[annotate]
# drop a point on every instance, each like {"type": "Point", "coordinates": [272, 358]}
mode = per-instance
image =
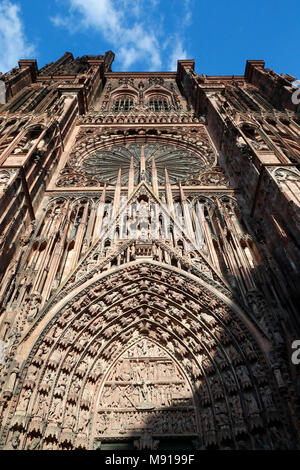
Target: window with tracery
{"type": "Point", "coordinates": [123, 104]}
{"type": "Point", "coordinates": [159, 103]}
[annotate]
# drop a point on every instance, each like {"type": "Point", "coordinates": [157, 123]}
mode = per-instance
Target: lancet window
{"type": "Point", "coordinates": [123, 103]}
{"type": "Point", "coordinates": [159, 103]}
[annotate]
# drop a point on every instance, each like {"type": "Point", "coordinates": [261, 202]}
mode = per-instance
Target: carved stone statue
{"type": "Point", "coordinates": [32, 307]}
{"type": "Point", "coordinates": [14, 442]}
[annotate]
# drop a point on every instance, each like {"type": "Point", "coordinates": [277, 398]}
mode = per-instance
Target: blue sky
{"type": "Point", "coordinates": [152, 34]}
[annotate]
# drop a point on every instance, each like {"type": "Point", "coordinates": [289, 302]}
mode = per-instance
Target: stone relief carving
{"type": "Point", "coordinates": [5, 178]}
{"type": "Point", "coordinates": [144, 389]}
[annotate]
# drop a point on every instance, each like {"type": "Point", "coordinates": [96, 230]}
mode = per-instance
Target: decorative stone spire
{"type": "Point", "coordinates": [154, 177]}
{"type": "Point", "coordinates": [116, 205]}
{"type": "Point", "coordinates": [131, 178]}
{"type": "Point", "coordinates": [142, 165]}
{"type": "Point", "coordinates": [100, 213]}
{"type": "Point", "coordinates": [186, 213]}
{"type": "Point", "coordinates": [169, 192]}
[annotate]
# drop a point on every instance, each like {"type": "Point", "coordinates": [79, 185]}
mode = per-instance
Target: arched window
{"type": "Point", "coordinates": [158, 103]}
{"type": "Point", "coordinates": [123, 103]}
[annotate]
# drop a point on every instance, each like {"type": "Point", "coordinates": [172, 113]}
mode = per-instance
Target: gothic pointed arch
{"type": "Point", "coordinates": [74, 392]}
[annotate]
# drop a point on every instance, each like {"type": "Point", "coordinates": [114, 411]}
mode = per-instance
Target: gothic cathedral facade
{"type": "Point", "coordinates": [149, 258]}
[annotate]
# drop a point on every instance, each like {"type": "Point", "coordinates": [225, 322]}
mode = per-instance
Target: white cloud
{"type": "Point", "coordinates": [59, 21]}
{"type": "Point", "coordinates": [138, 41]}
{"type": "Point", "coordinates": [14, 45]}
{"type": "Point", "coordinates": [128, 25]}
{"type": "Point", "coordinates": [187, 19]}
{"type": "Point", "coordinates": [177, 53]}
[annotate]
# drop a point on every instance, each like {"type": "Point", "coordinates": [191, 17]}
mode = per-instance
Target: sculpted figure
{"type": "Point", "coordinates": [258, 372]}
{"type": "Point", "coordinates": [41, 408]}
{"type": "Point", "coordinates": [229, 381]}
{"type": "Point", "coordinates": [48, 378]}
{"type": "Point", "coordinates": [243, 375]}
{"type": "Point", "coordinates": [49, 446]}
{"type": "Point", "coordinates": [56, 356]}
{"type": "Point", "coordinates": [267, 397]}
{"type": "Point", "coordinates": [239, 333]}
{"type": "Point", "coordinates": [236, 409]}
{"type": "Point", "coordinates": [216, 388]}
{"type": "Point", "coordinates": [33, 306]}
{"type": "Point", "coordinates": [224, 314]}
{"type": "Point", "coordinates": [208, 340]}
{"type": "Point", "coordinates": [106, 397]}
{"type": "Point", "coordinates": [252, 404]}
{"type": "Point", "coordinates": [60, 387]}
{"type": "Point", "coordinates": [56, 410]}
{"type": "Point", "coordinates": [35, 444]}
{"type": "Point", "coordinates": [249, 350]}
{"type": "Point", "coordinates": [98, 369]}
{"type": "Point", "coordinates": [32, 373]}
{"type": "Point", "coordinates": [55, 332]}
{"type": "Point", "coordinates": [219, 333]}
{"type": "Point", "coordinates": [24, 400]}
{"type": "Point", "coordinates": [14, 442]}
{"type": "Point", "coordinates": [207, 420]}
{"type": "Point", "coordinates": [77, 305]}
{"type": "Point", "coordinates": [81, 322]}
{"type": "Point", "coordinates": [177, 297]}
{"type": "Point", "coordinates": [235, 357]}
{"type": "Point", "coordinates": [84, 421]}
{"type": "Point", "coordinates": [279, 378]}
{"type": "Point", "coordinates": [83, 366]}
{"type": "Point", "coordinates": [69, 362]}
{"type": "Point", "coordinates": [220, 359]}
{"type": "Point", "coordinates": [207, 364]}
{"type": "Point", "coordinates": [76, 385]}
{"type": "Point", "coordinates": [83, 339]}
{"type": "Point", "coordinates": [14, 334]}
{"type": "Point", "coordinates": [204, 395]}
{"type": "Point", "coordinates": [257, 303]}
{"type": "Point", "coordinates": [221, 414]}
{"type": "Point", "coordinates": [66, 315]}
{"type": "Point", "coordinates": [70, 419]}
{"type": "Point", "coordinates": [69, 336]}
{"type": "Point", "coordinates": [210, 320]}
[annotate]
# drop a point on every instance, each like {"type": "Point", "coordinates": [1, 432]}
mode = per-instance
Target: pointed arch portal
{"type": "Point", "coordinates": [144, 353]}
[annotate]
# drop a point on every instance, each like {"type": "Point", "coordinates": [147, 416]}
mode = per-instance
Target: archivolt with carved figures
{"type": "Point", "coordinates": [144, 351]}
